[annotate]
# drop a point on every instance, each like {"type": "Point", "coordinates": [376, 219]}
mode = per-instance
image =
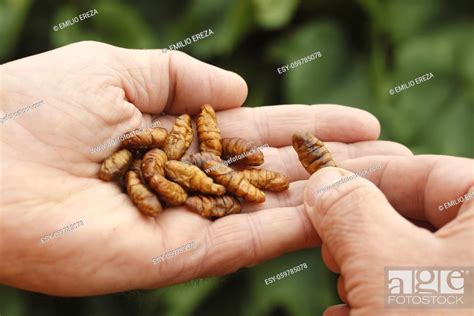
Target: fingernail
{"type": "Point", "coordinates": [321, 182]}
{"type": "Point", "coordinates": [337, 307]}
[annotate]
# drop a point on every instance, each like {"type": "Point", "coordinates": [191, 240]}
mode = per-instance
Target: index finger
{"type": "Point", "coordinates": [275, 125]}
{"type": "Point", "coordinates": [176, 83]}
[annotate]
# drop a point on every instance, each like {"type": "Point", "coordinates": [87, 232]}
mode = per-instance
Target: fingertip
{"type": "Point", "coordinates": [375, 124]}
{"type": "Point", "coordinates": [206, 83]}
{"type": "Point", "coordinates": [387, 148]}
{"type": "Point", "coordinates": [369, 125]}
{"type": "Point", "coordinates": [341, 289]}
{"type": "Point", "coordinates": [240, 91]}
{"type": "Point", "coordinates": [223, 89]}
{"type": "Point", "coordinates": [319, 183]}
{"type": "Point", "coordinates": [176, 82]}
{"type": "Point", "coordinates": [328, 259]}
{"type": "Point", "coordinates": [396, 149]}
{"type": "Point", "coordinates": [347, 124]}
{"type": "Point", "coordinates": [337, 310]}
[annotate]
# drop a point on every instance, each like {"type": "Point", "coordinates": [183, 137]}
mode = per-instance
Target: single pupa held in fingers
{"type": "Point", "coordinates": [213, 206]}
{"type": "Point", "coordinates": [208, 132]}
{"type": "Point", "coordinates": [180, 138]}
{"type": "Point", "coordinates": [312, 152]}
{"type": "Point", "coordinates": [192, 178]}
{"type": "Point", "coordinates": [115, 165]}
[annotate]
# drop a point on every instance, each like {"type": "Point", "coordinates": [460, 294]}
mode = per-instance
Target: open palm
{"type": "Point", "coordinates": [94, 92]}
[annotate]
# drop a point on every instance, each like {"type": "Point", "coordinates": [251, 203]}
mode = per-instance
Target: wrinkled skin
{"type": "Point", "coordinates": [363, 229]}
{"type": "Point", "coordinates": [93, 92]}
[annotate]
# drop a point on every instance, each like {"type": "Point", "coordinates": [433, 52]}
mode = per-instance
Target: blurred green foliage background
{"type": "Point", "coordinates": [367, 47]}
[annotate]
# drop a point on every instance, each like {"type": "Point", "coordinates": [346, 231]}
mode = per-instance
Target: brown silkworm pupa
{"type": "Point", "coordinates": [145, 200]}
{"type": "Point", "coordinates": [232, 147]}
{"type": "Point", "coordinates": [213, 206]}
{"type": "Point", "coordinates": [312, 152]}
{"type": "Point", "coordinates": [208, 132]}
{"type": "Point", "coordinates": [146, 139]}
{"type": "Point", "coordinates": [266, 179]}
{"type": "Point", "coordinates": [115, 165]}
{"type": "Point", "coordinates": [180, 138]}
{"type": "Point", "coordinates": [234, 182]}
{"type": "Point", "coordinates": [192, 178]}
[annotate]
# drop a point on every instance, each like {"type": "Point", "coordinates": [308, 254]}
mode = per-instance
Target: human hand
{"type": "Point", "coordinates": [362, 232]}
{"type": "Point", "coordinates": [94, 92]}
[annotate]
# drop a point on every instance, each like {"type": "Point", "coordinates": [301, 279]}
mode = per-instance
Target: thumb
{"type": "Point", "coordinates": [350, 213]}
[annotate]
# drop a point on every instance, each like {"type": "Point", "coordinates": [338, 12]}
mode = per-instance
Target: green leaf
{"type": "Point", "coordinates": [296, 294]}
{"type": "Point", "coordinates": [229, 29]}
{"type": "Point", "coordinates": [182, 299]}
{"type": "Point", "coordinates": [353, 89]}
{"type": "Point", "coordinates": [13, 301]}
{"type": "Point", "coordinates": [12, 17]}
{"type": "Point", "coordinates": [437, 52]}
{"type": "Point", "coordinates": [274, 14]}
{"type": "Point", "coordinates": [445, 100]}
{"type": "Point", "coordinates": [453, 132]}
{"type": "Point", "coordinates": [313, 82]}
{"type": "Point", "coordinates": [70, 34]}
{"type": "Point", "coordinates": [465, 65]}
{"type": "Point", "coordinates": [406, 19]}
{"type": "Point", "coordinates": [415, 109]}
{"type": "Point", "coordinates": [130, 32]}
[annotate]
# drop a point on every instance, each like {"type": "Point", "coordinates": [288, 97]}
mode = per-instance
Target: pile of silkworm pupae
{"type": "Point", "coordinates": [151, 166]}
